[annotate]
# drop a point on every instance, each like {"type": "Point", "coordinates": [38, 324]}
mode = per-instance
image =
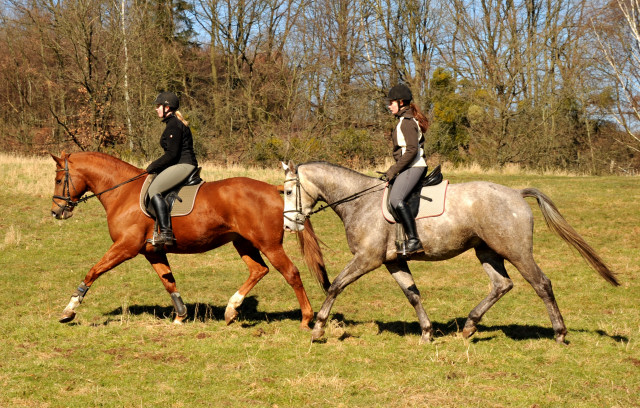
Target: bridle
{"type": "Point", "coordinates": [298, 210]}
{"type": "Point", "coordinates": [69, 203]}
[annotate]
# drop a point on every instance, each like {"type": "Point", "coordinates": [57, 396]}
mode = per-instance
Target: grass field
{"type": "Point", "coordinates": [123, 351]}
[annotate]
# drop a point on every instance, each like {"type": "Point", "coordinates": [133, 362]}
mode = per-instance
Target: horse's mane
{"type": "Point", "coordinates": [336, 166]}
{"type": "Point", "coordinates": [106, 161]}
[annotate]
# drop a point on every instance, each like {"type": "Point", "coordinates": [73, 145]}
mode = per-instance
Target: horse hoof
{"type": "Point", "coordinates": [426, 338]}
{"type": "Point", "coordinates": [560, 340]}
{"type": "Point", "coordinates": [317, 334]}
{"type": "Point", "coordinates": [67, 316]}
{"type": "Point", "coordinates": [305, 326]}
{"type": "Point", "coordinates": [468, 332]}
{"type": "Point", "coordinates": [230, 315]}
{"type": "Point", "coordinates": [179, 320]}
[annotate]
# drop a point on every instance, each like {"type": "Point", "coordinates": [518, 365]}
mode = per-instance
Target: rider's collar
{"type": "Point", "coordinates": [405, 112]}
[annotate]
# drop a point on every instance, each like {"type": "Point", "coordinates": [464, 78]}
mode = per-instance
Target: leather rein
{"type": "Point", "coordinates": [298, 209]}
{"type": "Point", "coordinates": [69, 203]}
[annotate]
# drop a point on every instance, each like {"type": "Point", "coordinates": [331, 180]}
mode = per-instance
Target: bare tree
{"type": "Point", "coordinates": [618, 30]}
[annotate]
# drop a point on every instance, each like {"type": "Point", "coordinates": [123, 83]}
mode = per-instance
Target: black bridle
{"type": "Point", "coordinates": [66, 191]}
{"type": "Point", "coordinates": [298, 209]}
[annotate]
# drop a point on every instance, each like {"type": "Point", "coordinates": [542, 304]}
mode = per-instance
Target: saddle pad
{"type": "Point", "coordinates": [187, 194]}
{"type": "Point", "coordinates": [428, 208]}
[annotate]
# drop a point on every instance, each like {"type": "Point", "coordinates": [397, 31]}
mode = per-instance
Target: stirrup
{"type": "Point", "coordinates": [161, 239]}
{"type": "Point", "coordinates": [410, 247]}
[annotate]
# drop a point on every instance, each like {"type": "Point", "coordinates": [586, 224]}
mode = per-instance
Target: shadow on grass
{"type": "Point", "coordinates": [453, 326]}
{"type": "Point", "coordinates": [249, 315]}
{"type": "Point", "coordinates": [513, 331]}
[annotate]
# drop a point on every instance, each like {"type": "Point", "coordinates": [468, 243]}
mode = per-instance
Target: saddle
{"type": "Point", "coordinates": [180, 199]}
{"type": "Point", "coordinates": [425, 200]}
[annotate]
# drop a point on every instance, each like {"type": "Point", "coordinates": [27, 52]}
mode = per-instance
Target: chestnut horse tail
{"type": "Point", "coordinates": [310, 248]}
{"type": "Point", "coordinates": [556, 222]}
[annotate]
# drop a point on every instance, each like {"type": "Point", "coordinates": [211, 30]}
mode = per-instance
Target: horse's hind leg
{"type": "Point", "coordinates": [401, 273]}
{"type": "Point", "coordinates": [160, 264]}
{"type": "Point", "coordinates": [542, 285]}
{"type": "Point", "coordinates": [493, 265]}
{"type": "Point", "coordinates": [257, 270]}
{"type": "Point", "coordinates": [291, 274]}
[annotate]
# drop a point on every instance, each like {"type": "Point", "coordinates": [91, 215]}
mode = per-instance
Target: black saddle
{"type": "Point", "coordinates": [171, 195]}
{"type": "Point", "coordinates": [413, 199]}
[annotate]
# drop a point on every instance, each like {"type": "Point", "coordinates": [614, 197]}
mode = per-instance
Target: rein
{"type": "Point", "coordinates": [67, 182]}
{"type": "Point", "coordinates": [328, 205]}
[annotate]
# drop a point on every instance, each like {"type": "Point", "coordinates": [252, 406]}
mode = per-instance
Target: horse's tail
{"type": "Point", "coordinates": [310, 248]}
{"type": "Point", "coordinates": [556, 222]}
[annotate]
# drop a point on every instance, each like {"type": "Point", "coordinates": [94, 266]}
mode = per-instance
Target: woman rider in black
{"type": "Point", "coordinates": [175, 165]}
{"type": "Point", "coordinates": [408, 141]}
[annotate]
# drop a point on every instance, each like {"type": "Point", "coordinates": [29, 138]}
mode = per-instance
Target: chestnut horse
{"type": "Point", "coordinates": [241, 210]}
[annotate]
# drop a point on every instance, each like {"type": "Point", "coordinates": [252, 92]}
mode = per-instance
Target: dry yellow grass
{"type": "Point", "coordinates": [34, 174]}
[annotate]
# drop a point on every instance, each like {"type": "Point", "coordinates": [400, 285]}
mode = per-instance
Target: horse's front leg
{"type": "Point", "coordinates": [357, 267]}
{"type": "Point", "coordinates": [401, 273]}
{"type": "Point", "coordinates": [118, 253]}
{"type": "Point", "coordinates": [160, 264]}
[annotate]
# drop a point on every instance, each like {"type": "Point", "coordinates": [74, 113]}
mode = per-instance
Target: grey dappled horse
{"type": "Point", "coordinates": [493, 219]}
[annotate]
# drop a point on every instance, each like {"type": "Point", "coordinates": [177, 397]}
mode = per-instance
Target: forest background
{"type": "Point", "coordinates": [544, 84]}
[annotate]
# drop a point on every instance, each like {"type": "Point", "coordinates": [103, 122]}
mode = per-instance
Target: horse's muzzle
{"type": "Point", "coordinates": [61, 214]}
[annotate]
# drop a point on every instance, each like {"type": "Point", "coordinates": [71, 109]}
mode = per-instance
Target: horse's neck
{"type": "Point", "coordinates": [102, 173]}
{"type": "Point", "coordinates": [336, 183]}
{"type": "Point", "coordinates": [106, 174]}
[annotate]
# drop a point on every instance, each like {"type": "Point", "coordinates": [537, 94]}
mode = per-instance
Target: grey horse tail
{"type": "Point", "coordinates": [310, 248]}
{"type": "Point", "coordinates": [556, 222]}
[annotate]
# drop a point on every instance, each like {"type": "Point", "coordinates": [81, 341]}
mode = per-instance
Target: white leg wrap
{"type": "Point", "coordinates": [235, 301]}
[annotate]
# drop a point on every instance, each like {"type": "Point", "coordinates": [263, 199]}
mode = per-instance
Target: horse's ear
{"type": "Point", "coordinates": [289, 167]}
{"type": "Point", "coordinates": [58, 160]}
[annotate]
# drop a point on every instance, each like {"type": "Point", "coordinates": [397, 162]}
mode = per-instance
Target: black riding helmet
{"type": "Point", "coordinates": [168, 99]}
{"type": "Point", "coordinates": [400, 92]}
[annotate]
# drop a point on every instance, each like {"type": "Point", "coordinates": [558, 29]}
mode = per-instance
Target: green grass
{"type": "Point", "coordinates": [123, 351]}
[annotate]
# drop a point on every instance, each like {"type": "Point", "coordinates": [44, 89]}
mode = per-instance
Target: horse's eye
{"type": "Point", "coordinates": [58, 181]}
{"type": "Point", "coordinates": [288, 192]}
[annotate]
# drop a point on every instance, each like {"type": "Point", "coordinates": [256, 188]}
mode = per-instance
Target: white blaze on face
{"type": "Point", "coordinates": [293, 219]}
{"type": "Point", "coordinates": [291, 213]}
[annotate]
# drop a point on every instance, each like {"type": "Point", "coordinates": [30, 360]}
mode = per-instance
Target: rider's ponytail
{"type": "Point", "coordinates": [422, 120]}
{"type": "Point", "coordinates": [181, 118]}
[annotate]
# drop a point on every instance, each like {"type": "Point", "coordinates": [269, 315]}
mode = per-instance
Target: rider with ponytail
{"type": "Point", "coordinates": [175, 165]}
{"type": "Point", "coordinates": [410, 166]}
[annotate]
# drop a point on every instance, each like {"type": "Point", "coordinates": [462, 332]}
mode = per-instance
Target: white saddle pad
{"type": "Point", "coordinates": [180, 208]}
{"type": "Point", "coordinates": [432, 208]}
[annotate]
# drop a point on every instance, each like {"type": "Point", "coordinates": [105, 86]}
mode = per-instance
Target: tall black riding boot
{"type": "Point", "coordinates": [413, 243]}
{"type": "Point", "coordinates": [165, 237]}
